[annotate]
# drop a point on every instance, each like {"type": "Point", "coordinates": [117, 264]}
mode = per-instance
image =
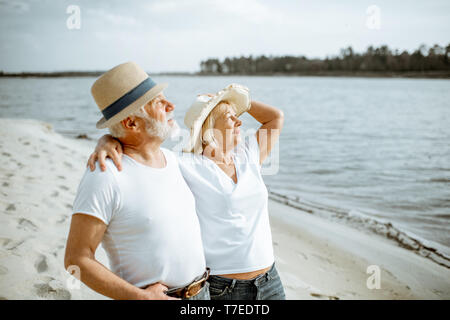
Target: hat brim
{"type": "Point", "coordinates": [239, 97]}
{"type": "Point", "coordinates": [135, 106]}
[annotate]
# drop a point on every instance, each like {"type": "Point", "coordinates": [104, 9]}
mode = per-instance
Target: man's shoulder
{"type": "Point", "coordinates": [102, 176]}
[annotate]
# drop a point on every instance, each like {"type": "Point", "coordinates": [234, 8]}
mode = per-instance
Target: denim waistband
{"type": "Point", "coordinates": [233, 282]}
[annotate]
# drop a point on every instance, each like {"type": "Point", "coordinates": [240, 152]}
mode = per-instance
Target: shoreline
{"type": "Point", "coordinates": [378, 227]}
{"type": "Point", "coordinates": [316, 258]}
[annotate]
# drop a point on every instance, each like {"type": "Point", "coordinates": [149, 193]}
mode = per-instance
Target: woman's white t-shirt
{"type": "Point", "coordinates": [233, 217]}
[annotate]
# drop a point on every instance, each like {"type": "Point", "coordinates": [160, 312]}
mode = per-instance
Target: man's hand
{"type": "Point", "coordinates": [156, 292]}
{"type": "Point", "coordinates": [107, 146]}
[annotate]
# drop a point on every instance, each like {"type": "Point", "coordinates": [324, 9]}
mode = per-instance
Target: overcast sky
{"type": "Point", "coordinates": [175, 35]}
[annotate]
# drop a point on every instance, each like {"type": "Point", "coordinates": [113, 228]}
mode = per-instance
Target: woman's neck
{"type": "Point", "coordinates": [218, 155]}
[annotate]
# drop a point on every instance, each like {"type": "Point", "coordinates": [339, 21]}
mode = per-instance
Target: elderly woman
{"type": "Point", "coordinates": [224, 174]}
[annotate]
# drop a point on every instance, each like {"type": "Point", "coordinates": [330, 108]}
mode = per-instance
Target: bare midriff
{"type": "Point", "coordinates": [245, 275]}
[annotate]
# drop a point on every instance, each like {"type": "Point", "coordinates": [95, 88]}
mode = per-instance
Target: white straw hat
{"type": "Point", "coordinates": [123, 90]}
{"type": "Point", "coordinates": [202, 107]}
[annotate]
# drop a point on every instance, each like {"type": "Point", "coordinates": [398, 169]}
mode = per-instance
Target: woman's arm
{"type": "Point", "coordinates": [107, 146]}
{"type": "Point", "coordinates": [272, 120]}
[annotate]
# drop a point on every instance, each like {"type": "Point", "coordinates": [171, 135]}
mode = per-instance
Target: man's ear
{"type": "Point", "coordinates": [129, 123]}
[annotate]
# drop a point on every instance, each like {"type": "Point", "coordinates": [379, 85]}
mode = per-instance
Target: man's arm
{"type": "Point", "coordinates": [86, 233]}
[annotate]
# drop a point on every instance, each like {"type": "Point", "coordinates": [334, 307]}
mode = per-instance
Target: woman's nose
{"type": "Point", "coordinates": [238, 123]}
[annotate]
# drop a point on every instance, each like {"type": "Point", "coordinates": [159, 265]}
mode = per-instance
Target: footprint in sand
{"type": "Point", "coordinates": [9, 244]}
{"type": "Point", "coordinates": [27, 225]}
{"type": "Point", "coordinates": [5, 184]}
{"type": "Point", "coordinates": [35, 156]}
{"type": "Point", "coordinates": [438, 292]}
{"type": "Point", "coordinates": [4, 242]}
{"type": "Point", "coordinates": [67, 164]}
{"type": "Point", "coordinates": [55, 194]}
{"type": "Point", "coordinates": [321, 258]}
{"type": "Point", "coordinates": [301, 254]}
{"type": "Point", "coordinates": [63, 218]}
{"type": "Point", "coordinates": [6, 154]}
{"type": "Point", "coordinates": [62, 177]}
{"type": "Point", "coordinates": [323, 296]}
{"type": "Point", "coordinates": [41, 264]}
{"type": "Point", "coordinates": [64, 188]}
{"type": "Point", "coordinates": [3, 270]}
{"type": "Point", "coordinates": [26, 143]}
{"type": "Point", "coordinates": [11, 207]}
{"type": "Point", "coordinates": [52, 290]}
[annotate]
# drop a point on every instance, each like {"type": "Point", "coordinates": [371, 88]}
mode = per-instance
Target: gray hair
{"type": "Point", "coordinates": [117, 130]}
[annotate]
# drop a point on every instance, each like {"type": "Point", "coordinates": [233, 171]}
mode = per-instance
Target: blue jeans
{"type": "Point", "coordinates": [266, 286]}
{"type": "Point", "coordinates": [202, 295]}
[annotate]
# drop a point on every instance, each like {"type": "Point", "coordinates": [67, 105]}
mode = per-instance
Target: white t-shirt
{"type": "Point", "coordinates": [153, 232]}
{"type": "Point", "coordinates": [234, 218]}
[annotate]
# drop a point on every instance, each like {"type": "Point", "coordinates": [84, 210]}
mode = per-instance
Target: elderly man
{"type": "Point", "coordinates": [144, 215]}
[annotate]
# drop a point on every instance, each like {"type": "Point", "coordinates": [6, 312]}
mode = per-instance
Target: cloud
{"type": "Point", "coordinates": [115, 19]}
{"type": "Point", "coordinates": [178, 34]}
{"type": "Point", "coordinates": [14, 6]}
{"type": "Point", "coordinates": [216, 12]}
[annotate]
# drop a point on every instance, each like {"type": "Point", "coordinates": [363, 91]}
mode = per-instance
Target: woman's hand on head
{"type": "Point", "coordinates": [107, 147]}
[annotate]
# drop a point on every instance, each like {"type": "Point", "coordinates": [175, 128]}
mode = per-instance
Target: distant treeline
{"type": "Point", "coordinates": [52, 74]}
{"type": "Point", "coordinates": [58, 74]}
{"type": "Point", "coordinates": [375, 61]}
{"type": "Point", "coordinates": [423, 62]}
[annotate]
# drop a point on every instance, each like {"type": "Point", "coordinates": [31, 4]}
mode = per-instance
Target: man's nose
{"type": "Point", "coordinates": [169, 106]}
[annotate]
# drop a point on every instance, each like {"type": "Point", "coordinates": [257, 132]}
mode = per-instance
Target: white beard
{"type": "Point", "coordinates": [162, 130]}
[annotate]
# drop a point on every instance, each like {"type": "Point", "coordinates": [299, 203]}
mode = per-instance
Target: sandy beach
{"type": "Point", "coordinates": [317, 258]}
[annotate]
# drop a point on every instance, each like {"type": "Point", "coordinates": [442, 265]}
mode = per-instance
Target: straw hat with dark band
{"type": "Point", "coordinates": [123, 90]}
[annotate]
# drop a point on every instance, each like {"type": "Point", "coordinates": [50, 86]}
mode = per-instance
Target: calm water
{"type": "Point", "coordinates": [380, 146]}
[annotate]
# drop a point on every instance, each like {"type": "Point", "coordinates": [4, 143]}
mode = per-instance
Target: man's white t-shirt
{"type": "Point", "coordinates": [234, 218]}
{"type": "Point", "coordinates": [153, 233]}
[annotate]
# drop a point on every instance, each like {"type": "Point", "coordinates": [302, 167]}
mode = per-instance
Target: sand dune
{"type": "Point", "coordinates": [317, 259]}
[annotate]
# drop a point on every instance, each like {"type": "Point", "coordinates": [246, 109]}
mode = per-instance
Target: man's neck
{"type": "Point", "coordinates": [147, 152]}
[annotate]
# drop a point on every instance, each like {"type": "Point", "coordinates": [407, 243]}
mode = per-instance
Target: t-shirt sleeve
{"type": "Point", "coordinates": [251, 148]}
{"type": "Point", "coordinates": [98, 195]}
